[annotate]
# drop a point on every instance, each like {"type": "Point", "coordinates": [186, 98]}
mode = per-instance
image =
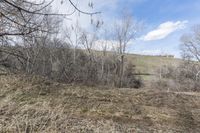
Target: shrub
{"type": "Point", "coordinates": [57, 62]}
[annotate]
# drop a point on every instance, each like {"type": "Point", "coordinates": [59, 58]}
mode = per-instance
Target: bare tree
{"type": "Point", "coordinates": [125, 31]}
{"type": "Point", "coordinates": [23, 22]}
{"type": "Point", "coordinates": [191, 44]}
{"type": "Point", "coordinates": [72, 35]}
{"type": "Point", "coordinates": [34, 30]}
{"type": "Point", "coordinates": [17, 17]}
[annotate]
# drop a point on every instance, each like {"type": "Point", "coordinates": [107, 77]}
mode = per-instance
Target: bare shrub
{"type": "Point", "coordinates": [131, 80]}
{"type": "Point", "coordinates": [46, 52]}
{"type": "Point", "coordinates": [184, 77]}
{"type": "Point", "coordinates": [55, 60]}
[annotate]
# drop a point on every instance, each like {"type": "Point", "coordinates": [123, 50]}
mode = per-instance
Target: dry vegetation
{"type": "Point", "coordinates": [43, 65]}
{"type": "Point", "coordinates": [34, 104]}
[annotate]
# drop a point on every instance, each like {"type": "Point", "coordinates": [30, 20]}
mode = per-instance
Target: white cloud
{"type": "Point", "coordinates": [163, 30]}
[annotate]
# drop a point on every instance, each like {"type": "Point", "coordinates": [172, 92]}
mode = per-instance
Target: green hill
{"type": "Point", "coordinates": [149, 65]}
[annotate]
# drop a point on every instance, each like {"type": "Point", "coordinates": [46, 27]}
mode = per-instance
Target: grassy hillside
{"type": "Point", "coordinates": [150, 64]}
{"type": "Point", "coordinates": [34, 104]}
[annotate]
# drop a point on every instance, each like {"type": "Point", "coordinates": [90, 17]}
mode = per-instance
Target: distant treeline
{"type": "Point", "coordinates": [167, 56]}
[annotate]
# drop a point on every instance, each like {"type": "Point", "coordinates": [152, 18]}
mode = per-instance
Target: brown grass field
{"type": "Point", "coordinates": [35, 105]}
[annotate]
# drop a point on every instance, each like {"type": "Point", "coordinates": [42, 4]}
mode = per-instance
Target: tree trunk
{"type": "Point", "coordinates": [121, 71]}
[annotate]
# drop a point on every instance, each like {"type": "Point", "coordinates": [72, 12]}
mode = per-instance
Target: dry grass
{"type": "Point", "coordinates": [34, 104]}
{"type": "Point", "coordinates": [150, 64]}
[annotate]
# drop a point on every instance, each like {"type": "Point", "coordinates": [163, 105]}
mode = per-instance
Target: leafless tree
{"type": "Point", "coordinates": [72, 35]}
{"type": "Point", "coordinates": [17, 17]}
{"type": "Point", "coordinates": [23, 22]}
{"type": "Point", "coordinates": [125, 31]}
{"type": "Point", "coordinates": [191, 44]}
{"type": "Point", "coordinates": [34, 30]}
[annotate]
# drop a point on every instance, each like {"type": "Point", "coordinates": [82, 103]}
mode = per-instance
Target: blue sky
{"type": "Point", "coordinates": [177, 15]}
{"type": "Point", "coordinates": [164, 21]}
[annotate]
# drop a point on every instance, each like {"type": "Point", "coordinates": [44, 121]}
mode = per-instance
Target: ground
{"type": "Point", "coordinates": [34, 104]}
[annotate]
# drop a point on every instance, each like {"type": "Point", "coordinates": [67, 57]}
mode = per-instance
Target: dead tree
{"type": "Point", "coordinates": [125, 31]}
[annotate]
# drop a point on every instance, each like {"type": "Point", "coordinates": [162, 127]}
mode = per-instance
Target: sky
{"type": "Point", "coordinates": [165, 21]}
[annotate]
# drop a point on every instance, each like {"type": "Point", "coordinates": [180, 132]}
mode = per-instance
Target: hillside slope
{"type": "Point", "coordinates": [34, 104]}
{"type": "Point", "coordinates": [150, 65]}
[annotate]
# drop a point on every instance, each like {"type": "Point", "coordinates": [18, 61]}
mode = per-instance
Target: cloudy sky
{"type": "Point", "coordinates": [164, 21]}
